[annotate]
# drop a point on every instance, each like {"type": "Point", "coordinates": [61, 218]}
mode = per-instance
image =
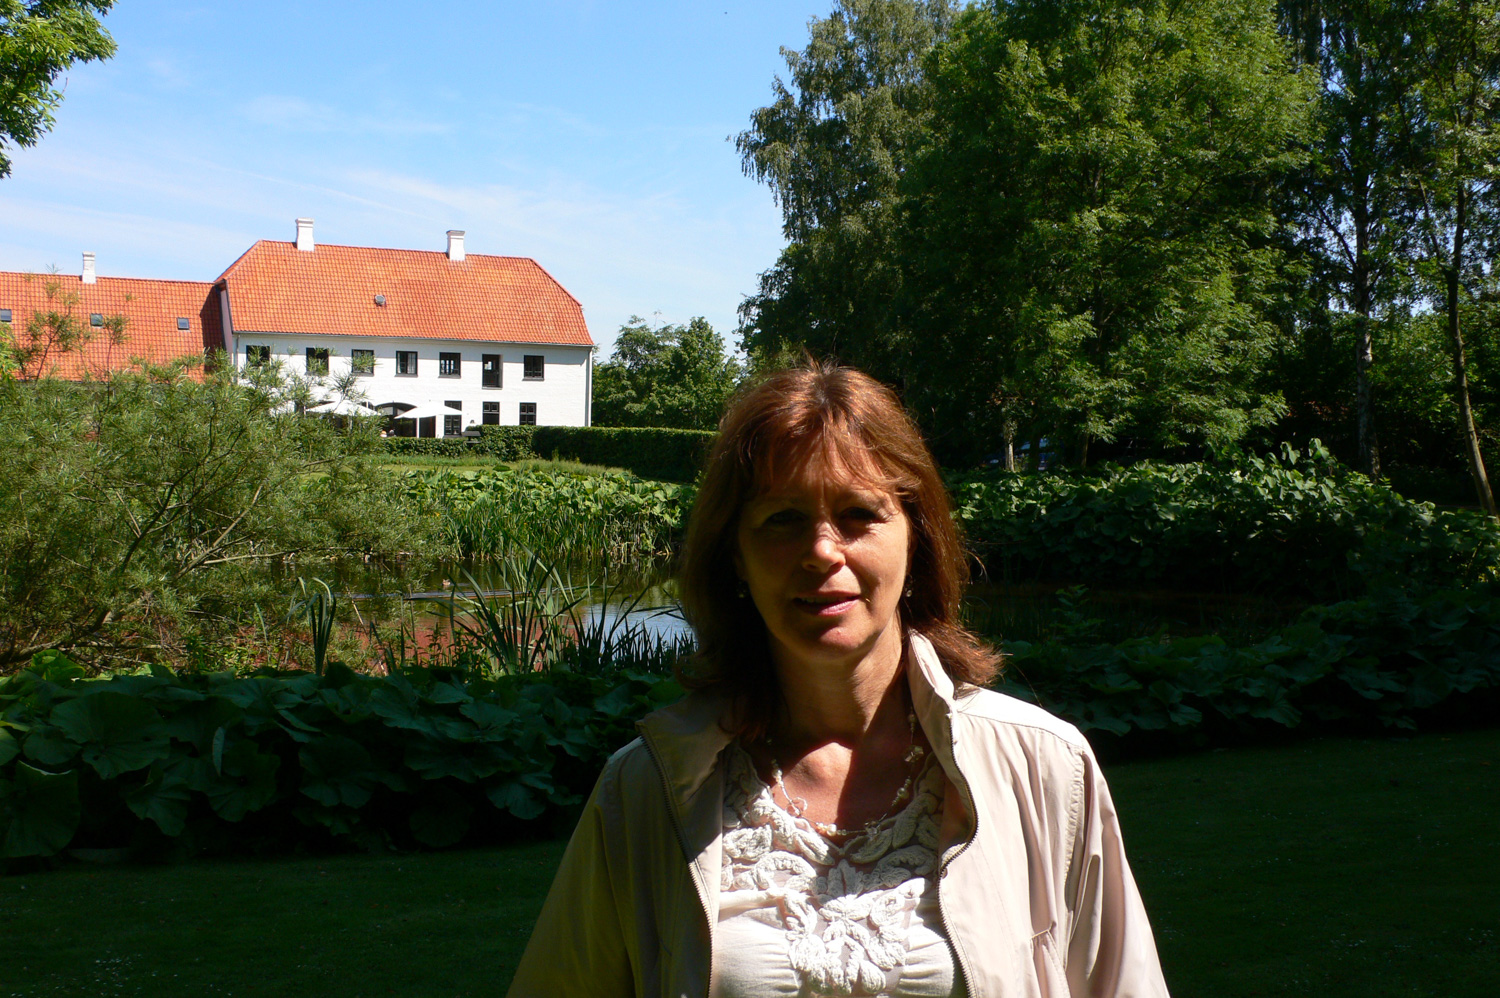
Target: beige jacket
{"type": "Point", "coordinates": [1035, 892]}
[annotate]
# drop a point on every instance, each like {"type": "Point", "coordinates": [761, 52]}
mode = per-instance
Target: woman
{"type": "Point", "coordinates": [840, 807]}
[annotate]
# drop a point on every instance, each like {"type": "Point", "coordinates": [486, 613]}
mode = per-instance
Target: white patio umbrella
{"type": "Point", "coordinates": [427, 412]}
{"type": "Point", "coordinates": [343, 407]}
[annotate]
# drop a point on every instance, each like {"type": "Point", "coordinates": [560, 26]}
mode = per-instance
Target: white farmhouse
{"type": "Point", "coordinates": [479, 339]}
{"type": "Point", "coordinates": [460, 340]}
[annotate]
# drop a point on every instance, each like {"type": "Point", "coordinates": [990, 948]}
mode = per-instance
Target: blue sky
{"type": "Point", "coordinates": [588, 135]}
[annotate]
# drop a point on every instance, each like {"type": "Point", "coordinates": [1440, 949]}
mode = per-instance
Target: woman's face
{"type": "Point", "coordinates": [825, 556]}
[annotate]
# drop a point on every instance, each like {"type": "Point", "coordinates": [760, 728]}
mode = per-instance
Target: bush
{"type": "Point", "coordinates": [153, 509]}
{"type": "Point", "coordinates": [1297, 525]}
{"type": "Point", "coordinates": [419, 758]}
{"type": "Point", "coordinates": [650, 452]}
{"type": "Point", "coordinates": [1384, 658]}
{"type": "Point", "coordinates": [430, 446]}
{"type": "Point", "coordinates": [503, 443]}
{"type": "Point", "coordinates": [661, 454]}
{"type": "Point", "coordinates": [610, 519]}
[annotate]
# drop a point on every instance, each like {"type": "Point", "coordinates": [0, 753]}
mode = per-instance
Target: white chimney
{"type": "Point", "coordinates": [89, 277]}
{"type": "Point", "coordinates": [304, 235]}
{"type": "Point", "coordinates": [456, 245]}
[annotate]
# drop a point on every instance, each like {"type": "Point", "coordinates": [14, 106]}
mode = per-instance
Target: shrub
{"type": "Point", "coordinates": [1384, 658]}
{"type": "Point", "coordinates": [1297, 525]}
{"type": "Point", "coordinates": [596, 519]}
{"type": "Point", "coordinates": [430, 446]}
{"type": "Point", "coordinates": [661, 454]}
{"type": "Point", "coordinates": [422, 757]}
{"type": "Point", "coordinates": [150, 509]}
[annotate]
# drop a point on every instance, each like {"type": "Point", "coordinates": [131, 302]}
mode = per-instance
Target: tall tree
{"type": "Point", "coordinates": [675, 376]}
{"type": "Point", "coordinates": [1089, 230]}
{"type": "Point", "coordinates": [1455, 195]}
{"type": "Point", "coordinates": [39, 40]}
{"type": "Point", "coordinates": [1352, 190]}
{"type": "Point", "coordinates": [832, 147]}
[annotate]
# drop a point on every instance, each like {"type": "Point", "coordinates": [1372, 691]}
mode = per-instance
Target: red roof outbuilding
{"type": "Point", "coordinates": [152, 310]}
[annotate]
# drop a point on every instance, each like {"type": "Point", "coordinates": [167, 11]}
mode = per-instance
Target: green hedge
{"type": "Point", "coordinates": [650, 452]}
{"type": "Point", "coordinates": [1297, 525]}
{"type": "Point", "coordinates": [503, 443]}
{"type": "Point", "coordinates": [238, 763]}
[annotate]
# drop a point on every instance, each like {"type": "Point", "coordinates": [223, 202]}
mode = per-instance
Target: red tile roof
{"type": "Point", "coordinates": [151, 310]}
{"type": "Point", "coordinates": [330, 290]}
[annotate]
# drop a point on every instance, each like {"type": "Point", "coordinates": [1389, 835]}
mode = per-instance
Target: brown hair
{"type": "Point", "coordinates": [849, 420]}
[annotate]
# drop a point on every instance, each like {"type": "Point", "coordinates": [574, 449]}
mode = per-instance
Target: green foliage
{"type": "Point", "coordinates": [832, 146]}
{"type": "Point", "coordinates": [1382, 658]}
{"type": "Point", "coordinates": [669, 455]}
{"type": "Point", "coordinates": [39, 41]}
{"type": "Point", "coordinates": [420, 757]}
{"type": "Point", "coordinates": [671, 376]}
{"type": "Point", "coordinates": [665, 454]}
{"type": "Point", "coordinates": [503, 443]}
{"type": "Point", "coordinates": [576, 520]}
{"type": "Point", "coordinates": [1298, 526]}
{"type": "Point", "coordinates": [1114, 278]}
{"type": "Point", "coordinates": [144, 511]}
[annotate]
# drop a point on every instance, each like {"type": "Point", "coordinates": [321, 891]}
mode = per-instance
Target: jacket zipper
{"type": "Point", "coordinates": [666, 790]}
{"type": "Point", "coordinates": [968, 795]}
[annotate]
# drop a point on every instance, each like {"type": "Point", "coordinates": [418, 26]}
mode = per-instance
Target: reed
{"type": "Point", "coordinates": [546, 619]}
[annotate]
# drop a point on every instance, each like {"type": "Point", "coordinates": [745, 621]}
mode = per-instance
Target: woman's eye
{"type": "Point", "coordinates": [783, 517]}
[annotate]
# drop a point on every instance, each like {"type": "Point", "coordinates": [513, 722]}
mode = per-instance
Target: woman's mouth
{"type": "Point", "coordinates": [826, 605]}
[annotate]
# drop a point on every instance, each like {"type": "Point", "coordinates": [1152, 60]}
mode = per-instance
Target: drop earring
{"type": "Point", "coordinates": [742, 589]}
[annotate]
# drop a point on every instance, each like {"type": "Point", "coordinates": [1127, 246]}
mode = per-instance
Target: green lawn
{"type": "Point", "coordinates": [1337, 868]}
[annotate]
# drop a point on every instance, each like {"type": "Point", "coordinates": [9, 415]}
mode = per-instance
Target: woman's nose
{"type": "Point", "coordinates": [826, 549]}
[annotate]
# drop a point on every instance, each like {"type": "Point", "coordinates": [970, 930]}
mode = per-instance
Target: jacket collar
{"type": "Point", "coordinates": [687, 737]}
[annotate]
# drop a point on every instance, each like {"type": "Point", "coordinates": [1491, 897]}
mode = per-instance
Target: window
{"type": "Point", "coordinates": [454, 404]}
{"type": "Point", "coordinates": [257, 355]}
{"type": "Point", "coordinates": [452, 425]}
{"type": "Point", "coordinates": [362, 361]}
{"type": "Point", "coordinates": [532, 367]}
{"type": "Point", "coordinates": [317, 360]}
{"type": "Point", "coordinates": [182, 322]}
{"type": "Point", "coordinates": [492, 414]}
{"type": "Point", "coordinates": [4, 315]}
{"type": "Point", "coordinates": [96, 319]}
{"type": "Point", "coordinates": [489, 368]}
{"type": "Point", "coordinates": [448, 365]}
{"type": "Point", "coordinates": [406, 362]}
{"type": "Point", "coordinates": [528, 413]}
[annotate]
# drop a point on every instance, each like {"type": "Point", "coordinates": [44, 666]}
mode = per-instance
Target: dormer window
{"type": "Point", "coordinates": [96, 319]}
{"type": "Point", "coordinates": [4, 315]}
{"type": "Point", "coordinates": [182, 322]}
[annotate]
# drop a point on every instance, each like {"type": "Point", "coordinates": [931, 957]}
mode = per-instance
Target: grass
{"type": "Point", "coordinates": [1343, 868]}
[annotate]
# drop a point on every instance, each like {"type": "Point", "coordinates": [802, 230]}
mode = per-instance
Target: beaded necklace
{"type": "Point", "coordinates": [797, 806]}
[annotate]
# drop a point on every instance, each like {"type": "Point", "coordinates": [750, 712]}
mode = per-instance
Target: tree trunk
{"type": "Point", "coordinates": [1460, 364]}
{"type": "Point", "coordinates": [1369, 444]}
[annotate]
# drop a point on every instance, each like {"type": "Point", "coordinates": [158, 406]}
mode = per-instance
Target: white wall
{"type": "Point", "coordinates": [561, 397]}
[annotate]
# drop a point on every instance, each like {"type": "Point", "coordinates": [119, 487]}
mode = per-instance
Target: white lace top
{"type": "Point", "coordinates": [802, 915]}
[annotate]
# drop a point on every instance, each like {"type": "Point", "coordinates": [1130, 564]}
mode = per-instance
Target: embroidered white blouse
{"type": "Point", "coordinates": [800, 914]}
